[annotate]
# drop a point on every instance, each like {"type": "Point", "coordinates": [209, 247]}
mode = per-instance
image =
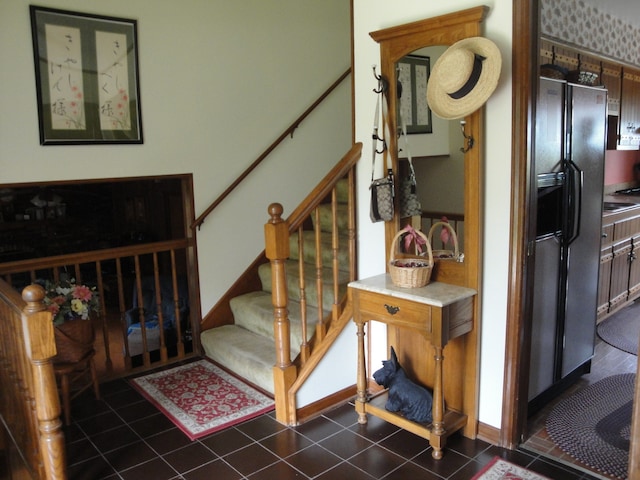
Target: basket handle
{"type": "Point", "coordinates": [456, 250]}
{"type": "Point", "coordinates": [392, 254]}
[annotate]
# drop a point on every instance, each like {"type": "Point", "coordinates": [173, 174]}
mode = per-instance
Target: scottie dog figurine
{"type": "Point", "coordinates": [406, 397]}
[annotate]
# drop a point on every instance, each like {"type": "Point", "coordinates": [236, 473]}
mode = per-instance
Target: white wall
{"type": "Point", "coordinates": [371, 15]}
{"type": "Point", "coordinates": [219, 82]}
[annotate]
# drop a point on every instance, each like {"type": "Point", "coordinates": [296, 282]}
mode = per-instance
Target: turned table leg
{"type": "Point", "coordinates": [438, 404]}
{"type": "Point", "coordinates": [361, 397]}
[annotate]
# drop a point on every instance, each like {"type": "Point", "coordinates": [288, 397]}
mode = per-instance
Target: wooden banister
{"type": "Point", "coordinates": [277, 249]}
{"type": "Point", "coordinates": [288, 131]}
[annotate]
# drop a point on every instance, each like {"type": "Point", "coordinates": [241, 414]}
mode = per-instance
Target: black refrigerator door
{"type": "Point", "coordinates": [551, 193]}
{"type": "Point", "coordinates": [586, 147]}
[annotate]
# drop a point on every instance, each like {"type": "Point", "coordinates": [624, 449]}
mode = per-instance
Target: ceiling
{"type": "Point", "coordinates": [626, 10]}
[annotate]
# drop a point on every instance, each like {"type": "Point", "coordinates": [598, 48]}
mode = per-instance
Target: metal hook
{"type": "Point", "coordinates": [468, 138]}
{"type": "Point", "coordinates": [384, 142]}
{"type": "Point", "coordinates": [383, 84]}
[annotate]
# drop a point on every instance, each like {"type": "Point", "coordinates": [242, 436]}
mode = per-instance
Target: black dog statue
{"type": "Point", "coordinates": [405, 396]}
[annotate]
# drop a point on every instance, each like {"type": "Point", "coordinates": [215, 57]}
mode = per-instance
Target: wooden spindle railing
{"type": "Point", "coordinates": [287, 378]}
{"type": "Point", "coordinates": [119, 275]}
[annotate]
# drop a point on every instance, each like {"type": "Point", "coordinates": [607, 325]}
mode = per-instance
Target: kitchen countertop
{"type": "Point", "coordinates": [632, 200]}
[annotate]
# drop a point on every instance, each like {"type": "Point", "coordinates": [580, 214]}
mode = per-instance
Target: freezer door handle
{"type": "Point", "coordinates": [574, 200]}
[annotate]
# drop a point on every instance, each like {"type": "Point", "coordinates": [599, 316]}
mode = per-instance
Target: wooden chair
{"type": "Point", "coordinates": [74, 378]}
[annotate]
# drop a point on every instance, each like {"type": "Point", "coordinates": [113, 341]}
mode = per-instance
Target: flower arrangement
{"type": "Point", "coordinates": [66, 300]}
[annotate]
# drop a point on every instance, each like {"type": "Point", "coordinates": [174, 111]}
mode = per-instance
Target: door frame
{"type": "Point", "coordinates": [525, 49]}
{"type": "Point", "coordinates": [525, 57]}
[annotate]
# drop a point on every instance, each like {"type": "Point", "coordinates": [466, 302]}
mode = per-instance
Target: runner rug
{"type": "Point", "coordinates": [622, 329]}
{"type": "Point", "coordinates": [500, 469]}
{"type": "Point", "coordinates": [594, 424]}
{"type": "Point", "coordinates": [201, 398]}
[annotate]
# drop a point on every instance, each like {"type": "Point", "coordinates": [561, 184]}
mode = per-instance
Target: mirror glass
{"type": "Point", "coordinates": [434, 145]}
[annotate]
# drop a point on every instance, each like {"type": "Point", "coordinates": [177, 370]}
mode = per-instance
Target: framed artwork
{"type": "Point", "coordinates": [87, 81]}
{"type": "Point", "coordinates": [413, 73]}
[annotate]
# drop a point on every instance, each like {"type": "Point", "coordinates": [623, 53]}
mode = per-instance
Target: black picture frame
{"type": "Point", "coordinates": [87, 80]}
{"type": "Point", "coordinates": [413, 74]}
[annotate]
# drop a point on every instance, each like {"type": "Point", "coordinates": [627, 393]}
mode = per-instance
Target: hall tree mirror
{"type": "Point", "coordinates": [435, 145]}
{"type": "Point", "coordinates": [424, 37]}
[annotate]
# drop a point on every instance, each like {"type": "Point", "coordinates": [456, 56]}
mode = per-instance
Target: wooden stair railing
{"type": "Point", "coordinates": [288, 131]}
{"type": "Point", "coordinates": [277, 233]}
{"type": "Point", "coordinates": [29, 403]}
{"type": "Point", "coordinates": [118, 274]}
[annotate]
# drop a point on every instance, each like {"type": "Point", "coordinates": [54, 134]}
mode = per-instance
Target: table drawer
{"type": "Point", "coordinates": [394, 311]}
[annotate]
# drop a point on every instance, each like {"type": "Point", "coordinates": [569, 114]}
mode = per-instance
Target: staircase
{"type": "Point", "coordinates": [248, 347]}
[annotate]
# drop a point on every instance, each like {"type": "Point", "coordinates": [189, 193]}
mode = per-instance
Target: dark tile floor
{"type": "Point", "coordinates": [124, 437]}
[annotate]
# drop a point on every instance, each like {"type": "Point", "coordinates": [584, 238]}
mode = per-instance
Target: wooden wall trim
{"type": "Point", "coordinates": [525, 73]}
{"type": "Point", "coordinates": [489, 434]}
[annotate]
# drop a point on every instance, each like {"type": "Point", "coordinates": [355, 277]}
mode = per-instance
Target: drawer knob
{"type": "Point", "coordinates": [391, 309]}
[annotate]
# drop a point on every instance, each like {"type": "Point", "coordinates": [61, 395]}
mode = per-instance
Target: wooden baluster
{"type": "Point", "coordinates": [320, 330]}
{"type": "Point", "coordinates": [103, 315]}
{"type": "Point", "coordinates": [352, 224]}
{"type": "Point", "coordinates": [158, 288]}
{"type": "Point", "coordinates": [176, 304]}
{"type": "Point", "coordinates": [335, 244]}
{"type": "Point", "coordinates": [143, 329]}
{"type": "Point", "coordinates": [304, 347]}
{"type": "Point", "coordinates": [276, 233]}
{"type": "Point", "coordinates": [122, 309]}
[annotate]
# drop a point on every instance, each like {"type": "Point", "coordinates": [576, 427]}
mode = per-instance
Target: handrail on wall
{"type": "Point", "coordinates": [289, 131]}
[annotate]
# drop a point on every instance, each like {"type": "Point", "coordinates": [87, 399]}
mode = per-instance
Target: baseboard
{"type": "Point", "coordinates": [489, 434]}
{"type": "Point", "coordinates": [327, 403]}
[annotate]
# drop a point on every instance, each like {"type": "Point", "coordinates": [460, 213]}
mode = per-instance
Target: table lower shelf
{"type": "Point", "coordinates": [453, 421]}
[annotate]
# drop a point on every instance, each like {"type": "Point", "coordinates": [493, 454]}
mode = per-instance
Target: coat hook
{"type": "Point", "coordinates": [383, 84]}
{"type": "Point", "coordinates": [468, 138]}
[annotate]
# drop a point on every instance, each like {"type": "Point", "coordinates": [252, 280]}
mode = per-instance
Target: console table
{"type": "Point", "coordinates": [439, 312]}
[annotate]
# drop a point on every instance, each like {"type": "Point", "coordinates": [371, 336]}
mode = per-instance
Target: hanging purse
{"type": "Point", "coordinates": [382, 189]}
{"type": "Point", "coordinates": [408, 199]}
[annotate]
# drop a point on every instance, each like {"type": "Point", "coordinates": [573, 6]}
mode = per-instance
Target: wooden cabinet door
{"type": "Point", "coordinates": [619, 289]}
{"type": "Point", "coordinates": [634, 267]}
{"type": "Point", "coordinates": [604, 281]}
{"type": "Point", "coordinates": [630, 109]}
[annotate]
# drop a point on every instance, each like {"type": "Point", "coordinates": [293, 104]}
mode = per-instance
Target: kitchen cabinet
{"type": "Point", "coordinates": [606, 263]}
{"type": "Point", "coordinates": [630, 109]}
{"type": "Point", "coordinates": [619, 278]}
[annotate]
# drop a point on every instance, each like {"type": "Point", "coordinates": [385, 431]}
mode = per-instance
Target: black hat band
{"type": "Point", "coordinates": [473, 78]}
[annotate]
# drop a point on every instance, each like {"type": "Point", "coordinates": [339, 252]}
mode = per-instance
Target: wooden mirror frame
{"type": "Point", "coordinates": [395, 43]}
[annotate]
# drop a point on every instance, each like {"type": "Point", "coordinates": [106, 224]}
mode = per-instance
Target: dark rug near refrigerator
{"type": "Point", "coordinates": [622, 329]}
{"type": "Point", "coordinates": [594, 424]}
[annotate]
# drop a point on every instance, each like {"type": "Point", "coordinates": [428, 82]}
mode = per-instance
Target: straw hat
{"type": "Point", "coordinates": [464, 77]}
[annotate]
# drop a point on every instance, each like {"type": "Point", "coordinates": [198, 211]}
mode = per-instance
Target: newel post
{"type": "Point", "coordinates": [276, 234]}
{"type": "Point", "coordinates": [40, 344]}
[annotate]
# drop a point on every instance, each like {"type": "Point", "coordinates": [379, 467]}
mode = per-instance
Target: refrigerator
{"type": "Point", "coordinates": [568, 161]}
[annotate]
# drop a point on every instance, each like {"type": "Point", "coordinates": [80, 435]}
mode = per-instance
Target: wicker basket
{"type": "Point", "coordinates": [410, 271]}
{"type": "Point", "coordinates": [445, 254]}
{"type": "Point", "coordinates": [74, 340]}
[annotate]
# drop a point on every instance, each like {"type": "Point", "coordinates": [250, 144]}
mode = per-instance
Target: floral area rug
{"type": "Point", "coordinates": [201, 398]}
{"type": "Point", "coordinates": [500, 469]}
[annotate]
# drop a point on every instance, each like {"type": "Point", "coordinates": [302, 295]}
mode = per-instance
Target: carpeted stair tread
{"type": "Point", "coordinates": [326, 240]}
{"type": "Point", "coordinates": [247, 354]}
{"type": "Point", "coordinates": [254, 312]}
{"type": "Point", "coordinates": [311, 290]}
{"type": "Point", "coordinates": [326, 218]}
